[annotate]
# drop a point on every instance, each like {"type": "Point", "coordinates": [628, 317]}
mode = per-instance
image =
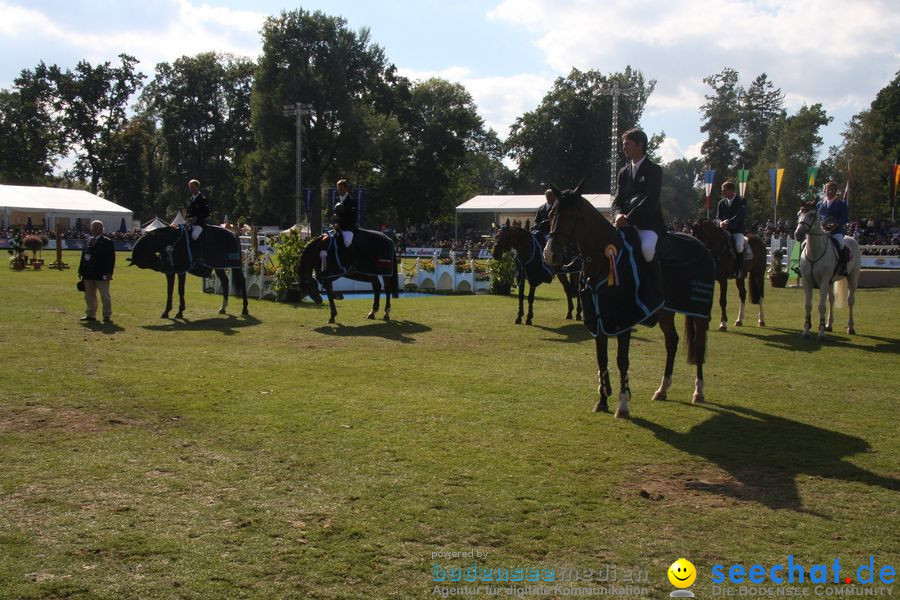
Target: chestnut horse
{"type": "Point", "coordinates": [721, 246]}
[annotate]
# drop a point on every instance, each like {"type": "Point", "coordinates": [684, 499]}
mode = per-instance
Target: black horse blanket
{"type": "Point", "coordinates": [688, 284]}
{"type": "Point", "coordinates": [374, 255]}
{"type": "Point", "coordinates": [217, 248]}
{"type": "Point", "coordinates": [532, 266]}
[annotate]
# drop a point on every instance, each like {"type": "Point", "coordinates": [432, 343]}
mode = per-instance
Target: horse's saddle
{"type": "Point", "coordinates": [372, 253]}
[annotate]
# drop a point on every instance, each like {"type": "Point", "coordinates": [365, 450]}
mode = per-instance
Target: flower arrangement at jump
{"type": "Point", "coordinates": [287, 262]}
{"type": "Point", "coordinates": [17, 249]}
{"type": "Point", "coordinates": [503, 273]}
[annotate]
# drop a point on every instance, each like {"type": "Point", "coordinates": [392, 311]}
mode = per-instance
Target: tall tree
{"type": "Point", "coordinates": [566, 138]}
{"type": "Point", "coordinates": [681, 195]}
{"type": "Point", "coordinates": [722, 119]}
{"type": "Point", "coordinates": [202, 104]}
{"type": "Point", "coordinates": [30, 139]}
{"type": "Point", "coordinates": [314, 59]}
{"type": "Point", "coordinates": [760, 105]}
{"type": "Point", "coordinates": [94, 102]}
{"type": "Point", "coordinates": [793, 144]}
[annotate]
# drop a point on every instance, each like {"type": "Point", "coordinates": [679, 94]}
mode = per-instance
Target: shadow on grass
{"type": "Point", "coordinates": [572, 332]}
{"type": "Point", "coordinates": [399, 331]}
{"type": "Point", "coordinates": [107, 328]}
{"type": "Point", "coordinates": [791, 339]}
{"type": "Point", "coordinates": [227, 324]}
{"type": "Point", "coordinates": [765, 454]}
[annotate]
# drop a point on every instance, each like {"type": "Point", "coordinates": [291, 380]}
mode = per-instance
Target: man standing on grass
{"type": "Point", "coordinates": [98, 259]}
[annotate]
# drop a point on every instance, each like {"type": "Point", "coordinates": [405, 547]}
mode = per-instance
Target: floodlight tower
{"type": "Point", "coordinates": [297, 110]}
{"type": "Point", "coordinates": [615, 91]}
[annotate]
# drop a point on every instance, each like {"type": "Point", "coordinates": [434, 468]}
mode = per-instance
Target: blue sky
{"type": "Point", "coordinates": [508, 52]}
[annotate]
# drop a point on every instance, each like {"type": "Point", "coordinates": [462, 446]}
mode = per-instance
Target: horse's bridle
{"type": "Point", "coordinates": [567, 239]}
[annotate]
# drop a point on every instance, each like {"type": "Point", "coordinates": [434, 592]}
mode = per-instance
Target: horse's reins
{"type": "Point", "coordinates": [809, 232]}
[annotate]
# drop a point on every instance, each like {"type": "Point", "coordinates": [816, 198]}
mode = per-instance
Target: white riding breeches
{"type": "Point", "coordinates": [739, 240]}
{"type": "Point", "coordinates": [348, 238]}
{"type": "Point", "coordinates": [648, 242]}
{"type": "Point", "coordinates": [839, 237]}
{"type": "Point", "coordinates": [196, 230]}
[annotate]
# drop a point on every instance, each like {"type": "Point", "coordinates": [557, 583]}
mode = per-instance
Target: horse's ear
{"type": "Point", "coordinates": [556, 191]}
{"type": "Point", "coordinates": [579, 187]}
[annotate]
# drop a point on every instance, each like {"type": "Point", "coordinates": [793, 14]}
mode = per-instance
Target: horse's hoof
{"type": "Point", "coordinates": [601, 406]}
{"type": "Point", "coordinates": [805, 335]}
{"type": "Point", "coordinates": [761, 323]}
{"type": "Point", "coordinates": [660, 396]}
{"type": "Point", "coordinates": [165, 315]}
{"type": "Point", "coordinates": [829, 328]}
{"type": "Point", "coordinates": [386, 317]}
{"type": "Point", "coordinates": [622, 414]}
{"type": "Point", "coordinates": [319, 301]}
{"type": "Point", "coordinates": [221, 311]}
{"type": "Point", "coordinates": [528, 321]}
{"type": "Point", "coordinates": [331, 320]}
{"type": "Point", "coordinates": [697, 399]}
{"type": "Point", "coordinates": [738, 323]}
{"type": "Point", "coordinates": [723, 327]}
{"type": "Point", "coordinates": [180, 315]}
{"type": "Point", "coordinates": [519, 321]}
{"type": "Point", "coordinates": [851, 330]}
{"type": "Point", "coordinates": [821, 335]}
{"type": "Point", "coordinates": [569, 317]}
{"type": "Point", "coordinates": [371, 316]}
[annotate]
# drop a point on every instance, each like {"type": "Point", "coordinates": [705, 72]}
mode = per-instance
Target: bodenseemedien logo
{"type": "Point", "coordinates": [682, 574]}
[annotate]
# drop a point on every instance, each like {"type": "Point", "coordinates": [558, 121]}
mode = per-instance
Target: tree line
{"type": "Point", "coordinates": [419, 148]}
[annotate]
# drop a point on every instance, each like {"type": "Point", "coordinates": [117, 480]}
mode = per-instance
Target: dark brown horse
{"type": "Point", "coordinates": [323, 261]}
{"type": "Point", "coordinates": [721, 246]}
{"type": "Point", "coordinates": [530, 265]}
{"type": "Point", "coordinates": [574, 220]}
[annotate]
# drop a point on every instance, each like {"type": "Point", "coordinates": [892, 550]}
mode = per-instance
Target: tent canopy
{"type": "Point", "coordinates": [156, 223]}
{"type": "Point", "coordinates": [18, 203]}
{"type": "Point", "coordinates": [522, 204]}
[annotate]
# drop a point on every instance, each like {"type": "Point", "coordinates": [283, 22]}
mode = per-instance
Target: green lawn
{"type": "Point", "coordinates": [277, 456]}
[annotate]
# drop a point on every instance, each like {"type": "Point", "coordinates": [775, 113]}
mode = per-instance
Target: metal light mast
{"type": "Point", "coordinates": [297, 110]}
{"type": "Point", "coordinates": [615, 91]}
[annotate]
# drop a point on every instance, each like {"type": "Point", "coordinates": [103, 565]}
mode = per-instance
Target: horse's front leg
{"type": "Point", "coordinates": [829, 323]}
{"type": "Point", "coordinates": [605, 388]}
{"type": "Point", "coordinates": [170, 285]}
{"type": "Point", "coordinates": [622, 410]}
{"type": "Point", "coordinates": [667, 324]}
{"type": "Point", "coordinates": [223, 279]}
{"type": "Point", "coordinates": [387, 302]}
{"type": "Point", "coordinates": [823, 295]}
{"type": "Point", "coordinates": [530, 314]}
{"type": "Point", "coordinates": [182, 277]}
{"type": "Point", "coordinates": [330, 294]}
{"type": "Point", "coordinates": [807, 304]}
{"type": "Point", "coordinates": [723, 302]}
{"type": "Point", "coordinates": [564, 280]}
{"type": "Point", "coordinates": [520, 282]}
{"type": "Point", "coordinates": [376, 295]}
{"type": "Point", "coordinates": [742, 294]}
{"type": "Point", "coordinates": [762, 314]}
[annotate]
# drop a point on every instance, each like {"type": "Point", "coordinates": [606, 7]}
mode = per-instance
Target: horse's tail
{"type": "Point", "coordinates": [695, 339]}
{"type": "Point", "coordinates": [395, 284]}
{"type": "Point", "coordinates": [841, 292]}
{"type": "Point", "coordinates": [757, 285]}
{"type": "Point", "coordinates": [757, 275]}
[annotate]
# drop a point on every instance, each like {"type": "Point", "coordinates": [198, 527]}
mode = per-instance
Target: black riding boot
{"type": "Point", "coordinates": [843, 259]}
{"type": "Point", "coordinates": [739, 265]}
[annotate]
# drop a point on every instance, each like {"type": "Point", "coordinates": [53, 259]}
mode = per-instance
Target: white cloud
{"type": "Point", "coordinates": [671, 149]}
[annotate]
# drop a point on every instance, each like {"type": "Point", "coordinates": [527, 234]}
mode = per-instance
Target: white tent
{"type": "Point", "coordinates": [156, 223]}
{"type": "Point", "coordinates": [520, 207]}
{"type": "Point", "coordinates": [46, 207]}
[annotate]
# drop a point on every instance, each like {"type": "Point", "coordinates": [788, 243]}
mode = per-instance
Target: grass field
{"type": "Point", "coordinates": [279, 457]}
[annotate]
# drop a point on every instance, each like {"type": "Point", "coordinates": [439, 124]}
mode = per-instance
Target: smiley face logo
{"type": "Point", "coordinates": [682, 573]}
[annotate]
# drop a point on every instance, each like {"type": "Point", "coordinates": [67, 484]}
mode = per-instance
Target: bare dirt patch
{"type": "Point", "coordinates": [707, 487]}
{"type": "Point", "coordinates": [59, 419]}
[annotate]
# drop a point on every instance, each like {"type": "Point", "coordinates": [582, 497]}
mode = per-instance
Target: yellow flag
{"type": "Point", "coordinates": [779, 176]}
